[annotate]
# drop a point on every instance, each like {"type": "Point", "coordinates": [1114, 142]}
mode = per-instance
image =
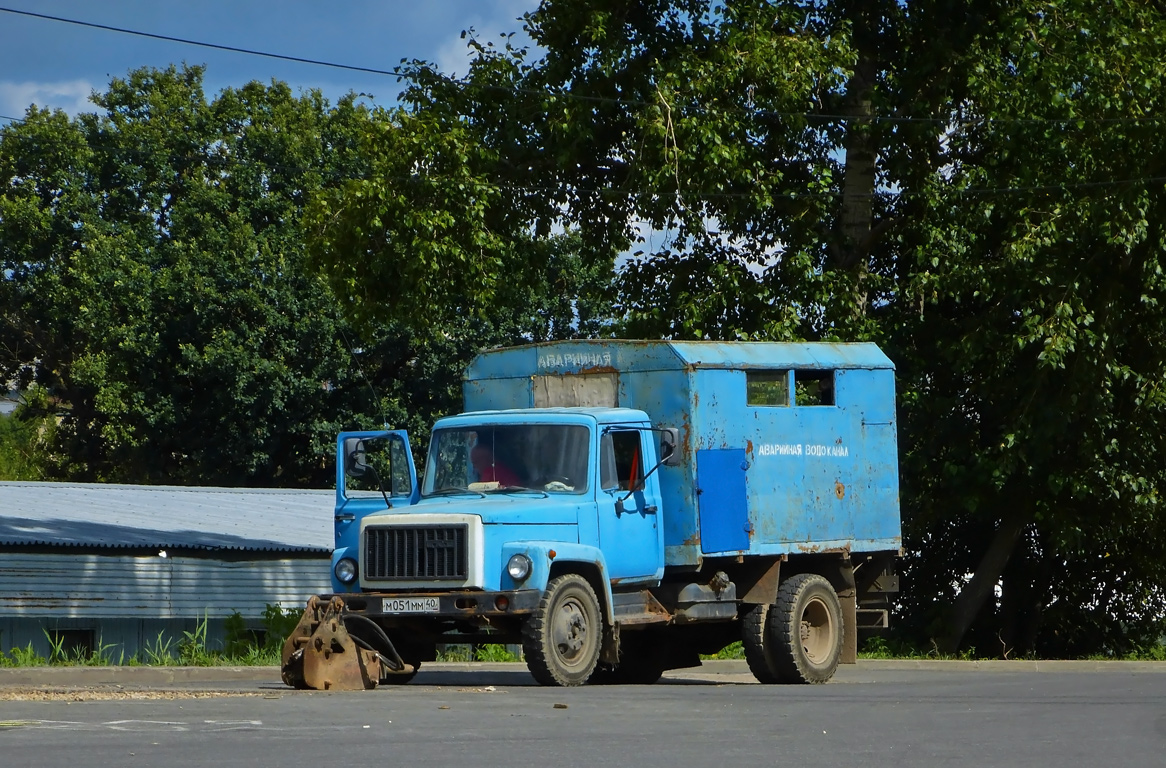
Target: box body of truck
{"type": "Point", "coordinates": [761, 473]}
{"type": "Point", "coordinates": [697, 492]}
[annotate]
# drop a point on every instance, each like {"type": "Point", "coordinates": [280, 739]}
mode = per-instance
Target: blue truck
{"type": "Point", "coordinates": [619, 508]}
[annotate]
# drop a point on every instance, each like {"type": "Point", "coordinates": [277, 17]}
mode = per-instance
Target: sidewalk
{"type": "Point", "coordinates": [454, 673]}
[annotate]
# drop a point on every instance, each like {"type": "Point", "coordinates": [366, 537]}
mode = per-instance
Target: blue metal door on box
{"type": "Point", "coordinates": [720, 488]}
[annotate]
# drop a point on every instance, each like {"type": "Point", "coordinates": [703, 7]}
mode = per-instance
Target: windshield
{"type": "Point", "coordinates": [551, 458]}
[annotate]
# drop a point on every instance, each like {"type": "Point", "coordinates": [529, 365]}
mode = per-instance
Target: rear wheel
{"type": "Point", "coordinates": [806, 628]}
{"type": "Point", "coordinates": [758, 644]}
{"type": "Point", "coordinates": [561, 640]}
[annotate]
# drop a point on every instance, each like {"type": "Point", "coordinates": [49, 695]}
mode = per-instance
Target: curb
{"type": "Point", "coordinates": [180, 677]}
{"type": "Point", "coordinates": [1018, 665]}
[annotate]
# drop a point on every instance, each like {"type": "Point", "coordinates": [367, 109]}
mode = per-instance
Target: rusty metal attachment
{"type": "Point", "coordinates": [324, 655]}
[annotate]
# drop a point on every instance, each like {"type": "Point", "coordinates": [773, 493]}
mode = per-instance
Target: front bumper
{"type": "Point", "coordinates": [450, 605]}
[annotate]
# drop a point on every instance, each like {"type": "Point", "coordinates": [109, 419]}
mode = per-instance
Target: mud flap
{"type": "Point", "coordinates": [321, 654]}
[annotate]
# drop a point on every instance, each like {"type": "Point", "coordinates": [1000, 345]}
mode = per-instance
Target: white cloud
{"type": "Point", "coordinates": [69, 95]}
{"type": "Point", "coordinates": [499, 18]}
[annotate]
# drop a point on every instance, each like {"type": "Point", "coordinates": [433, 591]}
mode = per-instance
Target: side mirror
{"type": "Point", "coordinates": [355, 457]}
{"type": "Point", "coordinates": [669, 447]}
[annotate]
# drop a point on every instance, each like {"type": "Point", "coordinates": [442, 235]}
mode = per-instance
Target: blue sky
{"type": "Point", "coordinates": [57, 65]}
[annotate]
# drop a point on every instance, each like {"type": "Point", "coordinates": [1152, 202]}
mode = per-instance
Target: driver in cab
{"type": "Point", "coordinates": [490, 470]}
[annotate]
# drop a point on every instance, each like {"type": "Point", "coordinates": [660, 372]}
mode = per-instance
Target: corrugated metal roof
{"type": "Point", "coordinates": [165, 517]}
{"type": "Point", "coordinates": [772, 354]}
{"type": "Point", "coordinates": [630, 356]}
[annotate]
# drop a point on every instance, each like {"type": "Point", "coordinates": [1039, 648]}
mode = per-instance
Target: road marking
{"type": "Point", "coordinates": [145, 725]}
{"type": "Point", "coordinates": [136, 726]}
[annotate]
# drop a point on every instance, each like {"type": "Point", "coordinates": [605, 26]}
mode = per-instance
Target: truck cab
{"type": "Point", "coordinates": [618, 508]}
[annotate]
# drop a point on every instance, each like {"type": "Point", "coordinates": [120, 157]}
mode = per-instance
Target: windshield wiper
{"type": "Point", "coordinates": [521, 488]}
{"type": "Point", "coordinates": [452, 491]}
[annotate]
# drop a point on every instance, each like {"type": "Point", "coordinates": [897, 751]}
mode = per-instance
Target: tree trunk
{"type": "Point", "coordinates": [971, 600]}
{"type": "Point", "coordinates": [1020, 602]}
{"type": "Point", "coordinates": [858, 185]}
{"type": "Point", "coordinates": [854, 231]}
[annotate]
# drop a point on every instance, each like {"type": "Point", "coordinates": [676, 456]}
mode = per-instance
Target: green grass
{"type": "Point", "coordinates": [487, 652]}
{"type": "Point", "coordinates": [242, 647]}
{"type": "Point", "coordinates": [875, 648]}
{"type": "Point", "coordinates": [731, 651]}
{"type": "Point", "coordinates": [191, 650]}
{"type": "Point", "coordinates": [1153, 653]}
{"type": "Point", "coordinates": [883, 648]}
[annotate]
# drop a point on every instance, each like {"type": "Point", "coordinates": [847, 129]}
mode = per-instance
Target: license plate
{"type": "Point", "coordinates": [410, 605]}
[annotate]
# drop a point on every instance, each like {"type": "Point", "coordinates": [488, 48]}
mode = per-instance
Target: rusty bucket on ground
{"type": "Point", "coordinates": [323, 655]}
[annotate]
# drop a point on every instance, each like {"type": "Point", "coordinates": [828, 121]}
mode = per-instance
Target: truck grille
{"type": "Point", "coordinates": [415, 552]}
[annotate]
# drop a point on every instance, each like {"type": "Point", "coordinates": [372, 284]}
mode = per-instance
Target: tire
{"type": "Point", "coordinates": [561, 640]}
{"type": "Point", "coordinates": [758, 645]}
{"type": "Point", "coordinates": [806, 629]}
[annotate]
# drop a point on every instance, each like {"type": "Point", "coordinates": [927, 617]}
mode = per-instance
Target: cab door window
{"type": "Point", "coordinates": [622, 461]}
{"type": "Point", "coordinates": [378, 463]}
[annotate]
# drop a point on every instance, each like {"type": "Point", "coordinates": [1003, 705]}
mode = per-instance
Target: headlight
{"type": "Point", "coordinates": [518, 567]}
{"type": "Point", "coordinates": [345, 570]}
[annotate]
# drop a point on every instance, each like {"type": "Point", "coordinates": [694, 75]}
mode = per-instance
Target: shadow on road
{"type": "Point", "coordinates": [522, 678]}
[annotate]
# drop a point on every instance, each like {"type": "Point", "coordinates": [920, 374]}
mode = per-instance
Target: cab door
{"type": "Point", "coordinates": [388, 475]}
{"type": "Point", "coordinates": [629, 506]}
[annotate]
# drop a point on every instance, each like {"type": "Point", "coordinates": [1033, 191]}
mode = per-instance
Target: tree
{"type": "Point", "coordinates": [1035, 374]}
{"type": "Point", "coordinates": [23, 445]}
{"type": "Point", "coordinates": [442, 223]}
{"type": "Point", "coordinates": [155, 287]}
{"type": "Point", "coordinates": [960, 181]}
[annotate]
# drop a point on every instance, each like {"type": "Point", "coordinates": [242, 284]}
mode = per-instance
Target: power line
{"type": "Point", "coordinates": [216, 46]}
{"type": "Point", "coordinates": [464, 83]}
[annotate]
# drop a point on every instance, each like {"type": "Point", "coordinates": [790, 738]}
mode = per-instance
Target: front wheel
{"type": "Point", "coordinates": [561, 640]}
{"type": "Point", "coordinates": [806, 627]}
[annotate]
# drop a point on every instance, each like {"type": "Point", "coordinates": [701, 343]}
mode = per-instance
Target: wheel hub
{"type": "Point", "coordinates": [571, 631]}
{"type": "Point", "coordinates": [817, 631]}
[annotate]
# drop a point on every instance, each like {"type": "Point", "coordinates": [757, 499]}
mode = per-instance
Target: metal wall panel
{"type": "Point", "coordinates": [100, 586]}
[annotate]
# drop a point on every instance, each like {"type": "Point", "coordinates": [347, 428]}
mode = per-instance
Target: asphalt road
{"type": "Point", "coordinates": [875, 714]}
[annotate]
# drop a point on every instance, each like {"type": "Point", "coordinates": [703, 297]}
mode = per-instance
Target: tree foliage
{"type": "Point", "coordinates": [976, 185]}
{"type": "Point", "coordinates": [1037, 348]}
{"type": "Point", "coordinates": [156, 285]}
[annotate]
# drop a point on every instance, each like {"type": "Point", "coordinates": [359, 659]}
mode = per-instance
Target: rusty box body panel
{"type": "Point", "coordinates": [785, 447]}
